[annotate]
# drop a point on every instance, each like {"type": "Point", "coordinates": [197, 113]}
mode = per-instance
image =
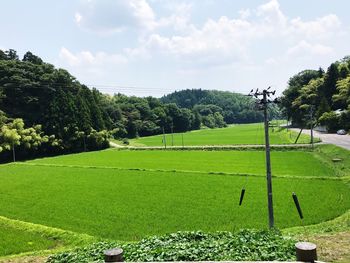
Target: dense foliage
{"type": "Point", "coordinates": [63, 115]}
{"type": "Point", "coordinates": [324, 94]}
{"type": "Point", "coordinates": [192, 246]}
{"type": "Point", "coordinates": [214, 104]}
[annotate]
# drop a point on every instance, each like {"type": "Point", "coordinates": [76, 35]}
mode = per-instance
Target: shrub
{"type": "Point", "coordinates": [192, 246]}
{"type": "Point", "coordinates": [331, 120]}
{"type": "Point", "coordinates": [125, 141]}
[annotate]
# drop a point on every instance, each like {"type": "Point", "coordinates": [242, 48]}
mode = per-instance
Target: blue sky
{"type": "Point", "coordinates": [153, 47]}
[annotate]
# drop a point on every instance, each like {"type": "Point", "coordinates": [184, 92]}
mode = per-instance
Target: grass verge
{"type": "Point", "coordinates": [20, 238]}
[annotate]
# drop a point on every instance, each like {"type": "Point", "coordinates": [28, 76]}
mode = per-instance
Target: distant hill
{"type": "Point", "coordinates": [234, 107]}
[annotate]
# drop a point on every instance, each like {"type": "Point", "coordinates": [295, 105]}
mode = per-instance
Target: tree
{"type": "Point", "coordinates": [342, 96]}
{"type": "Point", "coordinates": [219, 120]}
{"type": "Point", "coordinates": [325, 92]}
{"type": "Point", "coordinates": [289, 95]}
{"type": "Point", "coordinates": [30, 57]}
{"type": "Point", "coordinates": [9, 135]}
{"type": "Point", "coordinates": [330, 81]}
{"type": "Point", "coordinates": [11, 54]}
{"type": "Point", "coordinates": [196, 124]}
{"type": "Point", "coordinates": [331, 120]}
{"type": "Point", "coordinates": [2, 55]}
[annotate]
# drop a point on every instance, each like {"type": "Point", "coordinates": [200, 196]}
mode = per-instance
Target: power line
{"type": "Point", "coordinates": [107, 88]}
{"type": "Point", "coordinates": [47, 84]}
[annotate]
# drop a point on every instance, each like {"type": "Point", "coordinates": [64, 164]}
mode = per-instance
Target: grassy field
{"type": "Point", "coordinates": [285, 163]}
{"type": "Point", "coordinates": [127, 194]}
{"type": "Point", "coordinates": [234, 134]}
{"type": "Point", "coordinates": [128, 205]}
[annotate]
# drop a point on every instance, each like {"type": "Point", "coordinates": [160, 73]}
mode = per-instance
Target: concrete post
{"type": "Point", "coordinates": [306, 252]}
{"type": "Point", "coordinates": [114, 255]}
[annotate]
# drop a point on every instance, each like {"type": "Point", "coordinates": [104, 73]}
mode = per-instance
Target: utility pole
{"type": "Point", "coordinates": [84, 142]}
{"type": "Point", "coordinates": [264, 104]}
{"type": "Point", "coordinates": [13, 152]}
{"type": "Point", "coordinates": [312, 125]}
{"type": "Point", "coordinates": [182, 136]}
{"type": "Point", "coordinates": [164, 139]}
{"type": "Point", "coordinates": [172, 135]}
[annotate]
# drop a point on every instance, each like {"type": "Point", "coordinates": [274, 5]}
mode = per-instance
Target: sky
{"type": "Point", "coordinates": [154, 47]}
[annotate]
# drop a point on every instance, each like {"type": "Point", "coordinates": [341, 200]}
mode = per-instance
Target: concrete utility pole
{"type": "Point", "coordinates": [164, 139]}
{"type": "Point", "coordinates": [172, 135]}
{"type": "Point", "coordinates": [13, 152]}
{"type": "Point", "coordinates": [264, 103]}
{"type": "Point", "coordinates": [312, 125]}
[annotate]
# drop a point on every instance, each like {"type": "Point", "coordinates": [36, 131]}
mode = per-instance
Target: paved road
{"type": "Point", "coordinates": [339, 140]}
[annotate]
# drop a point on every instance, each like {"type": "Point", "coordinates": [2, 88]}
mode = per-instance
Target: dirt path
{"type": "Point", "coordinates": [211, 147]}
{"type": "Point", "coordinates": [114, 145]}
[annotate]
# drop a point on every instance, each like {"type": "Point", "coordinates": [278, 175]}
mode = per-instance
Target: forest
{"type": "Point", "coordinates": [47, 111]}
{"type": "Point", "coordinates": [318, 97]}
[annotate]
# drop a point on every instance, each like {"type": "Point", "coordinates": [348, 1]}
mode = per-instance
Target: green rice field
{"type": "Point", "coordinates": [126, 195]}
{"type": "Point", "coordinates": [128, 205]}
{"type": "Point", "coordinates": [285, 163]}
{"type": "Point", "coordinates": [232, 135]}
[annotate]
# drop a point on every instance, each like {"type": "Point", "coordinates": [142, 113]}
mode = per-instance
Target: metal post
{"type": "Point", "coordinates": [13, 152]}
{"type": "Point", "coordinates": [164, 139]}
{"type": "Point", "coordinates": [268, 162]}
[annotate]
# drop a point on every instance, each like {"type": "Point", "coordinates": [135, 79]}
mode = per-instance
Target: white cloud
{"type": "Point", "coordinates": [244, 13]}
{"type": "Point", "coordinates": [228, 40]}
{"type": "Point", "coordinates": [88, 59]}
{"type": "Point", "coordinates": [322, 27]}
{"type": "Point", "coordinates": [257, 37]}
{"type": "Point", "coordinates": [78, 18]}
{"type": "Point", "coordinates": [110, 16]}
{"type": "Point", "coordinates": [271, 14]}
{"type": "Point", "coordinates": [180, 18]}
{"type": "Point", "coordinates": [220, 40]}
{"type": "Point", "coordinates": [304, 48]}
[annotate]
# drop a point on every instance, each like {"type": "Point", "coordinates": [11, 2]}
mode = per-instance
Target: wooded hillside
{"type": "Point", "coordinates": [324, 94]}
{"type": "Point", "coordinates": [45, 110]}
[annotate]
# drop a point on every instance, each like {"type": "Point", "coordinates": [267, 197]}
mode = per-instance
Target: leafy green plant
{"type": "Point", "coordinates": [192, 246]}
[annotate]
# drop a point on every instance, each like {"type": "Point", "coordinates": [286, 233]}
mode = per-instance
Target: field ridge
{"type": "Point", "coordinates": [180, 171]}
{"type": "Point", "coordinates": [46, 231]}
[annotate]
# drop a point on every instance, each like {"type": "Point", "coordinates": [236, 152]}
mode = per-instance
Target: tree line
{"type": "Point", "coordinates": [45, 111]}
{"type": "Point", "coordinates": [320, 97]}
